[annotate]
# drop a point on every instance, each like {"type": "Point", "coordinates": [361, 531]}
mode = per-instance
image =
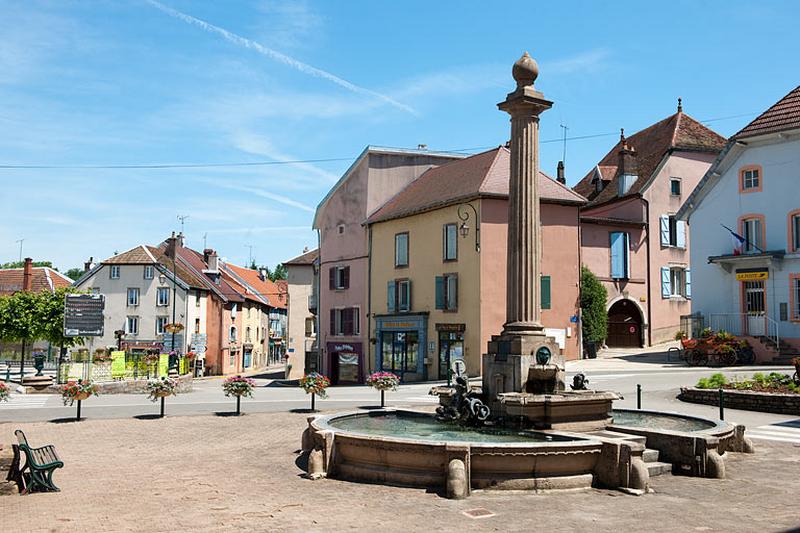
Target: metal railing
{"type": "Point", "coordinates": [740, 324]}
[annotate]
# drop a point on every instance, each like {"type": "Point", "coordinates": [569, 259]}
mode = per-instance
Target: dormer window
{"type": "Point", "coordinates": [626, 181]}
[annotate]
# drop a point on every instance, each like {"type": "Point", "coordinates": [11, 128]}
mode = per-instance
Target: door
{"type": "Point", "coordinates": [451, 347]}
{"type": "Point", "coordinates": [248, 358]}
{"type": "Point", "coordinates": [399, 351]}
{"type": "Point", "coordinates": [754, 303]}
{"type": "Point", "coordinates": [624, 325]}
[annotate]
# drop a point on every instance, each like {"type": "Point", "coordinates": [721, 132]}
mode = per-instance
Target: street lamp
{"type": "Point", "coordinates": [463, 214]}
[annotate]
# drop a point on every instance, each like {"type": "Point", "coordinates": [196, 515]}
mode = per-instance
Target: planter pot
{"type": "Point", "coordinates": [162, 394]}
{"type": "Point", "coordinates": [82, 396]}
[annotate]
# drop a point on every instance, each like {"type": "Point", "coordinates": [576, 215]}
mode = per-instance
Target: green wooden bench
{"type": "Point", "coordinates": [40, 463]}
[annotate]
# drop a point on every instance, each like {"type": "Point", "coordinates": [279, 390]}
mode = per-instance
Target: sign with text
{"type": "Point", "coordinates": [83, 315]}
{"type": "Point", "coordinates": [758, 274]}
{"type": "Point", "coordinates": [169, 346]}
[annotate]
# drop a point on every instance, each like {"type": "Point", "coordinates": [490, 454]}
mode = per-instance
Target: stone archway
{"type": "Point", "coordinates": [625, 322]}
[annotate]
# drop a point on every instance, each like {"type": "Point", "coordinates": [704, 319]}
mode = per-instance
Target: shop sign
{"type": "Point", "coordinates": [451, 327]}
{"type": "Point", "coordinates": [399, 325]}
{"type": "Point", "coordinates": [752, 275]}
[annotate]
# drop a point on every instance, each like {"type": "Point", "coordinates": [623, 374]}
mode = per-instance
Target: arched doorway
{"type": "Point", "coordinates": [624, 325]}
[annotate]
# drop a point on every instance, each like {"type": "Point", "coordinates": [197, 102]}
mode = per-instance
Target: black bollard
{"type": "Point", "coordinates": [721, 404]}
{"type": "Point", "coordinates": [383, 398]}
{"type": "Point", "coordinates": [77, 418]}
{"type": "Point", "coordinates": [313, 401]}
{"type": "Point", "coordinates": [238, 405]}
{"type": "Point", "coordinates": [638, 396]}
{"type": "Point", "coordinates": [162, 406]}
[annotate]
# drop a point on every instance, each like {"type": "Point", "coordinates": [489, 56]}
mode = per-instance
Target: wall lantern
{"type": "Point", "coordinates": [463, 214]}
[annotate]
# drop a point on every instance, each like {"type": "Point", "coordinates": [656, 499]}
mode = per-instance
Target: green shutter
{"type": "Point", "coordinates": [545, 287]}
{"type": "Point", "coordinates": [390, 292]}
{"type": "Point", "coordinates": [440, 288]}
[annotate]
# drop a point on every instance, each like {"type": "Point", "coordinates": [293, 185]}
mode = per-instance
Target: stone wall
{"type": "Point", "coordinates": [748, 400]}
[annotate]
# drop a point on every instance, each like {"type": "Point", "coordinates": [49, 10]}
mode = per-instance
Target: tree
{"type": "Point", "coordinates": [20, 320]}
{"type": "Point", "coordinates": [594, 320]}
{"type": "Point", "coordinates": [51, 318]}
{"type": "Point", "coordinates": [279, 272]}
{"type": "Point", "coordinates": [20, 264]}
{"type": "Point", "coordinates": [74, 273]}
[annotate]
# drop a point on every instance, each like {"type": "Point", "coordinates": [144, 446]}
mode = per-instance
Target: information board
{"type": "Point", "coordinates": [83, 315]}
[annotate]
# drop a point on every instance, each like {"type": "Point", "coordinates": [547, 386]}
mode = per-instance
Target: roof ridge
{"type": "Point", "coordinates": [495, 159]}
{"type": "Point", "coordinates": [149, 254]}
{"type": "Point", "coordinates": [677, 127]}
{"type": "Point", "coordinates": [780, 101]}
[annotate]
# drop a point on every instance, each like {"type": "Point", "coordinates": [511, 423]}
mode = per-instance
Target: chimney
{"type": "Point", "coordinates": [211, 260]}
{"type": "Point", "coordinates": [305, 249]}
{"type": "Point", "coordinates": [172, 243]}
{"type": "Point", "coordinates": [262, 274]}
{"type": "Point", "coordinates": [422, 147]}
{"type": "Point", "coordinates": [628, 171]}
{"type": "Point", "coordinates": [181, 239]}
{"type": "Point", "coordinates": [560, 173]}
{"type": "Point", "coordinates": [88, 265]}
{"type": "Point", "coordinates": [27, 275]}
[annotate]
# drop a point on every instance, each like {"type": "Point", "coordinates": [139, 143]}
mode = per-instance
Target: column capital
{"type": "Point", "coordinates": [525, 101]}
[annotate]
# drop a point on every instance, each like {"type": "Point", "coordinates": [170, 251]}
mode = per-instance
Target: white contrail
{"type": "Point", "coordinates": [278, 56]}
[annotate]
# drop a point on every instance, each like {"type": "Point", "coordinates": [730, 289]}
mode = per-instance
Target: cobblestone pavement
{"type": "Point", "coordinates": [211, 473]}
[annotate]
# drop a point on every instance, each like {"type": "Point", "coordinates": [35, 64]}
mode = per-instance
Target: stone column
{"type": "Point", "coordinates": [523, 298]}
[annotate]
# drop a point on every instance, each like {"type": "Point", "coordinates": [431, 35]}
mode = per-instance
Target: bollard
{"type": "Point", "coordinates": [78, 418]}
{"type": "Point", "coordinates": [238, 405]}
{"type": "Point", "coordinates": [8, 373]}
{"type": "Point", "coordinates": [313, 401]}
{"type": "Point", "coordinates": [638, 396]}
{"type": "Point", "coordinates": [721, 404]}
{"type": "Point", "coordinates": [162, 407]}
{"type": "Point", "coordinates": [383, 399]}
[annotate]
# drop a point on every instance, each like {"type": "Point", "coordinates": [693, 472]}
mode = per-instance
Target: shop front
{"type": "Point", "coordinates": [247, 355]}
{"type": "Point", "coordinates": [346, 362]}
{"type": "Point", "coordinates": [451, 346]}
{"type": "Point", "coordinates": [400, 348]}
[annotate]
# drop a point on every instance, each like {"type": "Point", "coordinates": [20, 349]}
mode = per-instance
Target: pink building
{"type": "Point", "coordinates": [375, 176]}
{"type": "Point", "coordinates": [630, 236]}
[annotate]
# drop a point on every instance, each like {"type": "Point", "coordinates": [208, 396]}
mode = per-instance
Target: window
{"type": "Point", "coordinates": [197, 325]}
{"type": "Point", "coordinates": [247, 335]}
{"type": "Point", "coordinates": [249, 311]}
{"type": "Point", "coordinates": [148, 272]}
{"type": "Point", "coordinates": [161, 324]}
{"type": "Point", "coordinates": [450, 242]}
{"type": "Point", "coordinates": [750, 179]}
{"type": "Point", "coordinates": [447, 292]}
{"type": "Point", "coordinates": [544, 287]}
{"type": "Point", "coordinates": [675, 186]}
{"type": "Point", "coordinates": [234, 309]}
{"type": "Point", "coordinates": [794, 231]}
{"type": "Point", "coordinates": [132, 325]}
{"type": "Point", "coordinates": [794, 296]}
{"type": "Point", "coordinates": [345, 321]}
{"type": "Point", "coordinates": [133, 296]}
{"type": "Point", "coordinates": [620, 255]}
{"type": "Point", "coordinates": [309, 327]}
{"type": "Point", "coordinates": [753, 231]}
{"type": "Point", "coordinates": [114, 271]}
{"type": "Point", "coordinates": [398, 295]}
{"type": "Point", "coordinates": [162, 296]}
{"type": "Point", "coordinates": [197, 299]}
{"type": "Point", "coordinates": [340, 229]}
{"type": "Point", "coordinates": [339, 277]}
{"type": "Point", "coordinates": [676, 282]}
{"type": "Point", "coordinates": [401, 250]}
{"type": "Point", "coordinates": [232, 334]}
{"type": "Point", "coordinates": [673, 231]}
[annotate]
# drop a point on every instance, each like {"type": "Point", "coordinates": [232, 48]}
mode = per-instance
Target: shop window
{"type": "Point", "coordinates": [620, 255]}
{"type": "Point", "coordinates": [399, 351]}
{"type": "Point", "coordinates": [447, 292]}
{"type": "Point", "coordinates": [750, 179]}
{"type": "Point", "coordinates": [401, 250]}
{"type": "Point", "coordinates": [339, 277]}
{"type": "Point", "coordinates": [450, 242]}
{"type": "Point", "coordinates": [676, 282]}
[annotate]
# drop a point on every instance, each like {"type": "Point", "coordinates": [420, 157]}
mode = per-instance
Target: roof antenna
{"type": "Point", "coordinates": [680, 105]}
{"type": "Point", "coordinates": [564, 150]}
{"type": "Point", "coordinates": [622, 135]}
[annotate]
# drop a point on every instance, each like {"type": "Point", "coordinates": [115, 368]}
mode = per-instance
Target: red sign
{"type": "Point", "coordinates": [632, 329]}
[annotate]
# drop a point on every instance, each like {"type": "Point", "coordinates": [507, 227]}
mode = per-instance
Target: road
{"type": "Point", "coordinates": [660, 384]}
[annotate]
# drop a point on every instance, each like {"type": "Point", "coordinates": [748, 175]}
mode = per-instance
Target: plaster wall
{"type": "Point", "coordinates": [300, 286]}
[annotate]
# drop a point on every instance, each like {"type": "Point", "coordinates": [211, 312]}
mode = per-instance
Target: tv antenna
{"type": "Point", "coordinates": [564, 150]}
{"type": "Point", "coordinates": [182, 219]}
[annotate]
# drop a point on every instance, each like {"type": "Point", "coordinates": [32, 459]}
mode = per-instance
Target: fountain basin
{"type": "Point", "coordinates": [584, 410]}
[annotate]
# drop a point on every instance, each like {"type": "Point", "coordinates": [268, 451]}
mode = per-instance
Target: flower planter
{"type": "Point", "coordinates": [82, 396]}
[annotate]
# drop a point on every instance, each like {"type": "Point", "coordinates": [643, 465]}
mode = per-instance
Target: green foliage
{"type": "Point", "coordinates": [52, 318]}
{"type": "Point", "coordinates": [594, 319]}
{"type": "Point", "coordinates": [20, 264]}
{"type": "Point", "coordinates": [707, 332]}
{"type": "Point", "coordinates": [278, 273]}
{"type": "Point", "coordinates": [74, 273]}
{"type": "Point", "coordinates": [27, 317]}
{"type": "Point", "coordinates": [714, 382]}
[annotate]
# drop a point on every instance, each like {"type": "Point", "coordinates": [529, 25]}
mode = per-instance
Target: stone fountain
{"type": "Point", "coordinates": [520, 428]}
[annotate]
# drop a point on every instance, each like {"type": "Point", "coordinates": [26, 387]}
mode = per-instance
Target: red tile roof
{"type": "Point", "coordinates": [677, 132]}
{"type": "Point", "coordinates": [306, 258]}
{"type": "Point", "coordinates": [42, 279]}
{"type": "Point", "coordinates": [257, 289]}
{"type": "Point", "coordinates": [481, 175]}
{"type": "Point", "coordinates": [139, 255]}
{"type": "Point", "coordinates": [784, 115]}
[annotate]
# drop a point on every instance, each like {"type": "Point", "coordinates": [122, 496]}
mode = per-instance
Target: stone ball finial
{"type": "Point", "coordinates": [525, 70]}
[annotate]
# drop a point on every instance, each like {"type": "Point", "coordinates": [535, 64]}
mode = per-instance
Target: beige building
{"type": "Point", "coordinates": [437, 286]}
{"type": "Point", "coordinates": [302, 281]}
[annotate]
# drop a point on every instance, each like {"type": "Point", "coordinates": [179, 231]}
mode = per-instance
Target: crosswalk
{"type": "Point", "coordinates": [25, 401]}
{"type": "Point", "coordinates": [776, 432]}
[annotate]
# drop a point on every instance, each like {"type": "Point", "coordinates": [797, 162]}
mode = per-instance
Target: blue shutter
{"type": "Point", "coordinates": [440, 292]}
{"type": "Point", "coordinates": [545, 288]}
{"type": "Point", "coordinates": [666, 288]}
{"type": "Point", "coordinates": [680, 228]}
{"type": "Point", "coordinates": [689, 283]}
{"type": "Point", "coordinates": [390, 297]}
{"type": "Point", "coordinates": [664, 225]}
{"type": "Point", "coordinates": [618, 255]}
{"type": "Point", "coordinates": [626, 254]}
{"type": "Point", "coordinates": [408, 297]}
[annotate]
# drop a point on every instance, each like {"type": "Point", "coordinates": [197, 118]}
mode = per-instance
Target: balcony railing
{"type": "Point", "coordinates": [745, 324]}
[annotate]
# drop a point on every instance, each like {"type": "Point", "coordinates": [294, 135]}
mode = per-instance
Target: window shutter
{"type": "Point", "coordinates": [408, 300]}
{"type": "Point", "coordinates": [545, 294]}
{"type": "Point", "coordinates": [626, 254]}
{"type": "Point", "coordinates": [454, 302]}
{"type": "Point", "coordinates": [390, 293]}
{"type": "Point", "coordinates": [333, 322]}
{"type": "Point", "coordinates": [664, 224]}
{"type": "Point", "coordinates": [356, 321]}
{"type": "Point", "coordinates": [666, 286]}
{"type": "Point", "coordinates": [440, 292]}
{"type": "Point", "coordinates": [680, 228]}
{"type": "Point", "coordinates": [689, 283]}
{"type": "Point", "coordinates": [346, 277]}
{"type": "Point", "coordinates": [332, 278]}
{"type": "Point", "coordinates": [347, 321]}
{"type": "Point", "coordinates": [617, 255]}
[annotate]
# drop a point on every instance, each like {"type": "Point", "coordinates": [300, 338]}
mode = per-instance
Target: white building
{"type": "Point", "coordinates": [750, 285]}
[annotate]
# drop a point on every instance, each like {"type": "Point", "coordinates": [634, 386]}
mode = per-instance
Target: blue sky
{"type": "Point", "coordinates": [134, 82]}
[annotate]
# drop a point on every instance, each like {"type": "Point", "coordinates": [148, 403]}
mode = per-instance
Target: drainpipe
{"type": "Point", "coordinates": [369, 299]}
{"type": "Point", "coordinates": [579, 324]}
{"type": "Point", "coordinates": [320, 350]}
{"type": "Point", "coordinates": [649, 285]}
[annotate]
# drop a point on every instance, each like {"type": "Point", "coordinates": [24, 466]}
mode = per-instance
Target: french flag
{"type": "Point", "coordinates": [737, 241]}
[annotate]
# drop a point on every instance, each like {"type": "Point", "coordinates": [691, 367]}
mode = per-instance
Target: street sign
{"type": "Point", "coordinates": [169, 346]}
{"type": "Point", "coordinates": [83, 315]}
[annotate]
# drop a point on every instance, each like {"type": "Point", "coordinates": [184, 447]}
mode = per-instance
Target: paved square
{"type": "Point", "coordinates": [210, 473]}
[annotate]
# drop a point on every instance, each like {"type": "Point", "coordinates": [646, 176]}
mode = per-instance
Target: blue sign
{"type": "Point", "coordinates": [574, 319]}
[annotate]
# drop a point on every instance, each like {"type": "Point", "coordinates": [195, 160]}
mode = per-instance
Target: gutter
{"type": "Point", "coordinates": [649, 281]}
{"type": "Point", "coordinates": [369, 299]}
